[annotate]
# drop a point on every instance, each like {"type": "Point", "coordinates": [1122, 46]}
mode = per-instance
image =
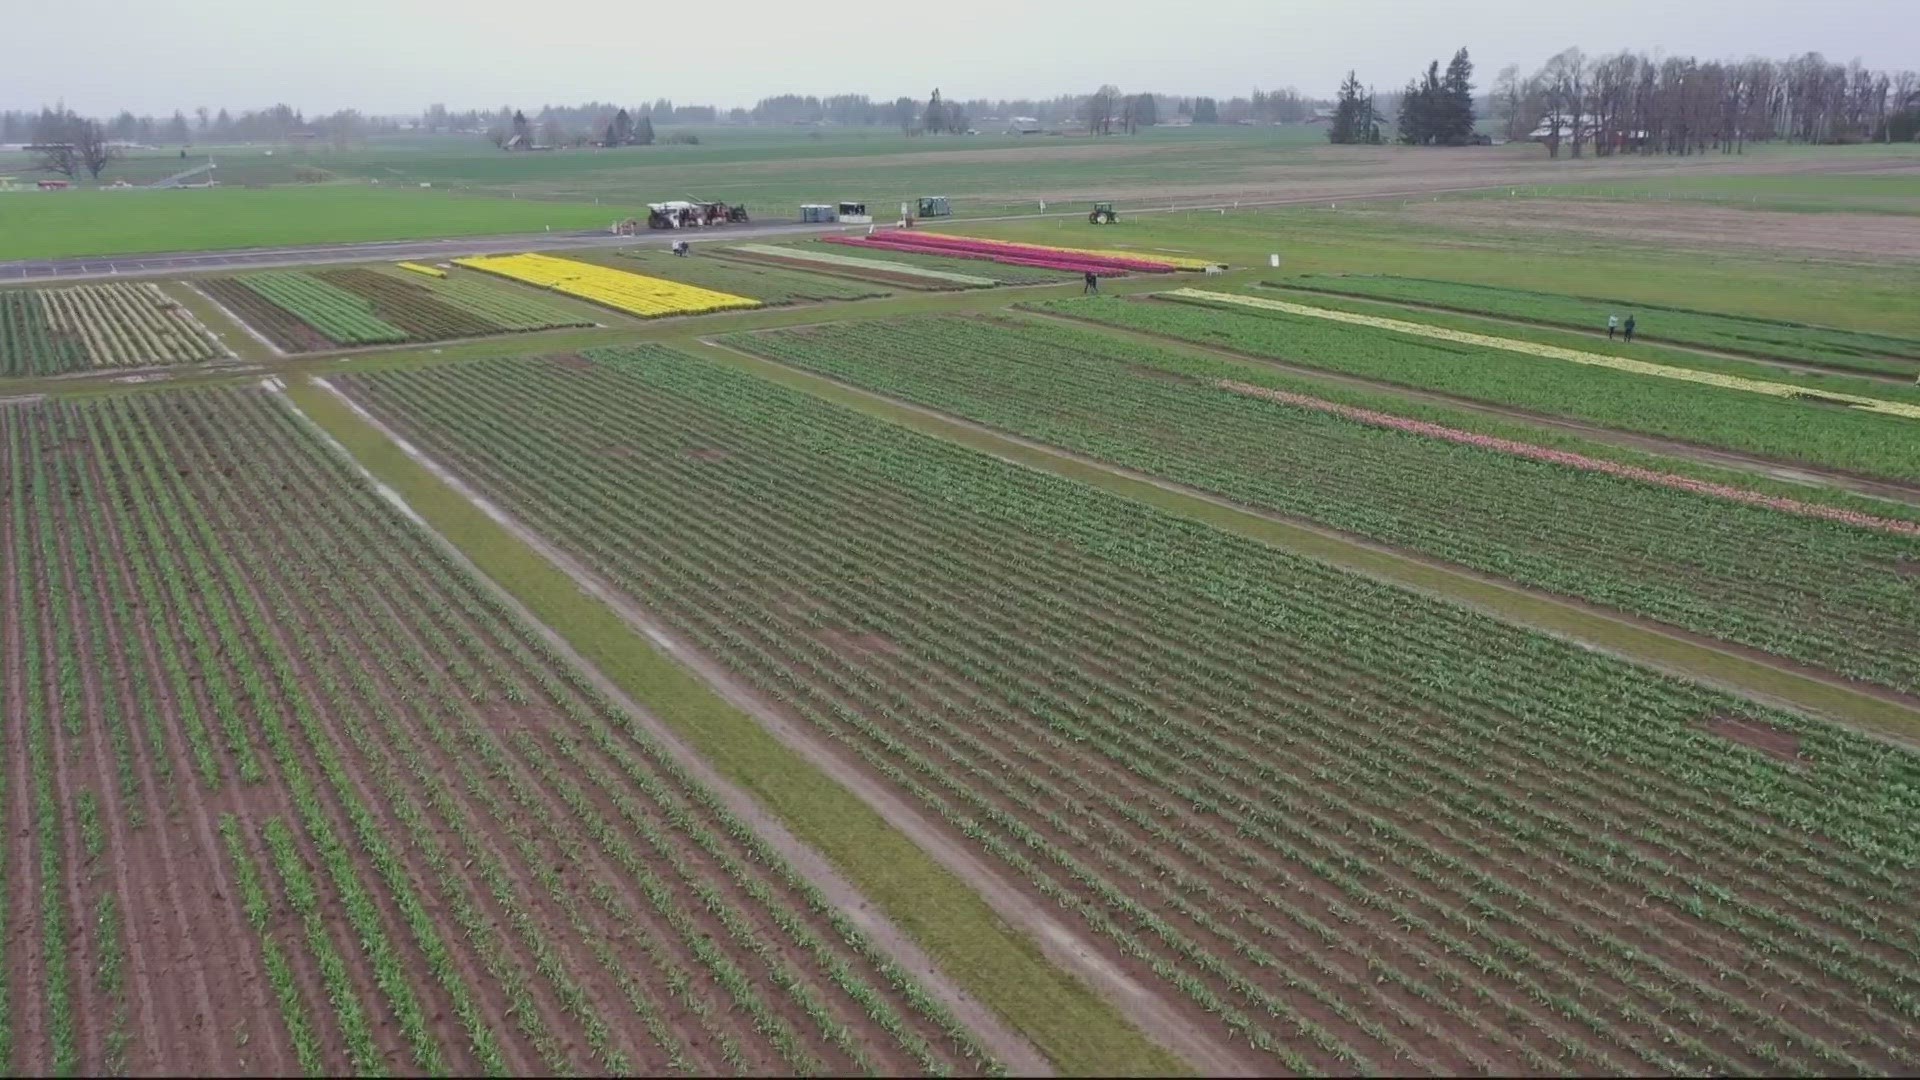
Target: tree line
{"type": "Point", "coordinates": [67, 144]}
{"type": "Point", "coordinates": [1623, 102]}
{"type": "Point", "coordinates": [273, 124]}
{"type": "Point", "coordinates": [1630, 102]}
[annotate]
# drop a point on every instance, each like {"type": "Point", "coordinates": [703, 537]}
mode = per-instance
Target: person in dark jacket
{"type": "Point", "coordinates": [1629, 329]}
{"type": "Point", "coordinates": [1093, 283]}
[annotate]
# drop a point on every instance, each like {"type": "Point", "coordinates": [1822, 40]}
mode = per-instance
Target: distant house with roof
{"type": "Point", "coordinates": [1591, 130]}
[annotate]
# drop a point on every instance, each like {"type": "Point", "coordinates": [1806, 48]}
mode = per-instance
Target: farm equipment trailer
{"type": "Point", "coordinates": [685, 214]}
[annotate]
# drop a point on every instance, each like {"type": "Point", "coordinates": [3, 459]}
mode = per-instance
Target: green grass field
{"type": "Point", "coordinates": [315, 195]}
{"type": "Point", "coordinates": [78, 223]}
{"type": "Point", "coordinates": [1376, 238]}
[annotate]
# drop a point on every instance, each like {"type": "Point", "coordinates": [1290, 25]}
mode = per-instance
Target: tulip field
{"type": "Point", "coordinates": [887, 271]}
{"type": "Point", "coordinates": [632, 294]}
{"type": "Point", "coordinates": [119, 325]}
{"type": "Point", "coordinates": [1825, 587]}
{"type": "Point", "coordinates": [355, 307]}
{"type": "Point", "coordinates": [1039, 256]}
{"type": "Point", "coordinates": [1000, 272]}
{"type": "Point", "coordinates": [1769, 422]}
{"type": "Point", "coordinates": [288, 790]}
{"type": "Point", "coordinates": [1853, 349]}
{"type": "Point", "coordinates": [1825, 395]}
{"type": "Point", "coordinates": [1340, 826]}
{"type": "Point", "coordinates": [439, 648]}
{"type": "Point", "coordinates": [770, 285]}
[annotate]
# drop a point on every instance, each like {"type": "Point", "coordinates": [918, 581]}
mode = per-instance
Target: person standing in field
{"type": "Point", "coordinates": [1093, 284]}
{"type": "Point", "coordinates": [1629, 329]}
{"type": "Point", "coordinates": [1613, 323]}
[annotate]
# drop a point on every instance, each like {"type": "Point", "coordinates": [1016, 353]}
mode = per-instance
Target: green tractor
{"type": "Point", "coordinates": [1103, 215]}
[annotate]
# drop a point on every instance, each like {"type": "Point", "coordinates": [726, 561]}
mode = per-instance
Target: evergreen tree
{"type": "Point", "coordinates": [1206, 111]}
{"type": "Point", "coordinates": [1421, 108]}
{"type": "Point", "coordinates": [1456, 92]}
{"type": "Point", "coordinates": [1351, 117]}
{"type": "Point", "coordinates": [936, 115]}
{"type": "Point", "coordinates": [1411, 120]}
{"type": "Point", "coordinates": [1437, 110]}
{"type": "Point", "coordinates": [643, 132]}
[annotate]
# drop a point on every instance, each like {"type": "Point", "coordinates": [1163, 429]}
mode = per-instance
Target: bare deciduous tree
{"type": "Point", "coordinates": [1566, 79]}
{"type": "Point", "coordinates": [54, 149]}
{"type": "Point", "coordinates": [92, 148]}
{"type": "Point", "coordinates": [1101, 107]}
{"type": "Point", "coordinates": [1510, 103]}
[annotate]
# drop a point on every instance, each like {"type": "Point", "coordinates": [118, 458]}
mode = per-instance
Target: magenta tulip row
{"type": "Point", "coordinates": [1035, 255]}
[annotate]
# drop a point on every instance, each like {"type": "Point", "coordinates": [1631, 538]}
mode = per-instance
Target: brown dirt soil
{"type": "Point", "coordinates": [1691, 225]}
{"type": "Point", "coordinates": [1049, 150]}
{"type": "Point", "coordinates": [859, 644]}
{"type": "Point", "coordinates": [701, 453]}
{"type": "Point", "coordinates": [1357, 173]}
{"type": "Point", "coordinates": [1769, 740]}
{"type": "Point", "coordinates": [570, 361]}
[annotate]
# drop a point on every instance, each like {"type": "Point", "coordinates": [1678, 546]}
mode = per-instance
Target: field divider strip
{"type": "Point", "coordinates": [983, 948]}
{"type": "Point", "coordinates": [245, 327]}
{"type": "Point", "coordinates": [1770, 681]}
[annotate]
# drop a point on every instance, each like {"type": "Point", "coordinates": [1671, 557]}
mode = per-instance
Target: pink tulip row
{"type": "Point", "coordinates": [1036, 255]}
{"type": "Point", "coordinates": [1578, 461]}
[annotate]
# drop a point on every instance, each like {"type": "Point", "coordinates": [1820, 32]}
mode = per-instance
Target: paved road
{"type": "Point", "coordinates": [108, 266]}
{"type": "Point", "coordinates": [383, 250]}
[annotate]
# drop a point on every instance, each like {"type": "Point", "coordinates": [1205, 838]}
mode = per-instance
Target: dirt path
{"type": "Point", "coordinates": [1800, 367]}
{"type": "Point", "coordinates": [273, 351]}
{"type": "Point", "coordinates": [1791, 472]}
{"type": "Point", "coordinates": [999, 1039]}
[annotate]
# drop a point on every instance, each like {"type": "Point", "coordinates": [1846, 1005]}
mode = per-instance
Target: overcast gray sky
{"type": "Point", "coordinates": [399, 55]}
